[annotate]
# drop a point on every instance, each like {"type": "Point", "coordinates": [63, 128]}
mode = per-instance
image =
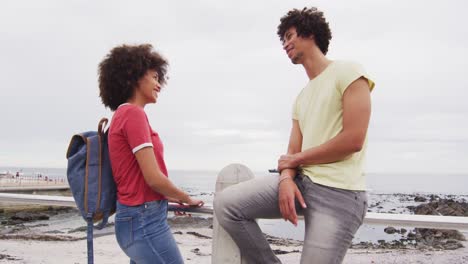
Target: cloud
{"type": "Point", "coordinates": [231, 87]}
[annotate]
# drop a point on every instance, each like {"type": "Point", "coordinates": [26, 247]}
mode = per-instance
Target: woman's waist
{"type": "Point", "coordinates": [149, 205]}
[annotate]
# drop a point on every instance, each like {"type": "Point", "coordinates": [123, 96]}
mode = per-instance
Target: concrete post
{"type": "Point", "coordinates": [224, 249]}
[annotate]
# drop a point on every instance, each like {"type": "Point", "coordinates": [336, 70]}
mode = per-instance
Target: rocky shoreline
{"type": "Point", "coordinates": [20, 223]}
{"type": "Point", "coordinates": [422, 238]}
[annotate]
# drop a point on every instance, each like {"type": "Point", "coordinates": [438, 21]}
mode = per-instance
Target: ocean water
{"type": "Point", "coordinates": [376, 182]}
{"type": "Point", "coordinates": [204, 181]}
{"type": "Point", "coordinates": [384, 188]}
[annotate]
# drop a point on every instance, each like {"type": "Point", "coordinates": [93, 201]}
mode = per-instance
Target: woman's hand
{"type": "Point", "coordinates": [194, 202]}
{"type": "Point", "coordinates": [190, 201]}
{"type": "Point", "coordinates": [174, 200]}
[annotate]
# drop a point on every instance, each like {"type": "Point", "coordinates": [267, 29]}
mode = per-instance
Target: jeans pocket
{"type": "Point", "coordinates": [364, 210]}
{"type": "Point", "coordinates": [306, 183]}
{"type": "Point", "coordinates": [124, 231]}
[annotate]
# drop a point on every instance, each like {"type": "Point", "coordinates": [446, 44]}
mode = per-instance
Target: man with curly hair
{"type": "Point", "coordinates": [321, 176]}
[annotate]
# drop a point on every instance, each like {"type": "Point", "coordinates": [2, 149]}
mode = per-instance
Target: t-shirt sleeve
{"type": "Point", "coordinates": [350, 73]}
{"type": "Point", "coordinates": [137, 130]}
{"type": "Point", "coordinates": [295, 109]}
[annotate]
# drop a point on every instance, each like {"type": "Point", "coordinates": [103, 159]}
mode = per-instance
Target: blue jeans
{"type": "Point", "coordinates": [332, 217]}
{"type": "Point", "coordinates": [144, 235]}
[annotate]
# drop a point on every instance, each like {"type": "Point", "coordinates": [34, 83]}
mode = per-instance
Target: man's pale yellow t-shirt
{"type": "Point", "coordinates": [319, 111]}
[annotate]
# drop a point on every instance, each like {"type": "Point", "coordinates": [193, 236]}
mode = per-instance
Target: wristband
{"type": "Point", "coordinates": [283, 178]}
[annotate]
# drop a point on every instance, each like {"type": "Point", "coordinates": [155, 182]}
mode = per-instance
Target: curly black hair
{"type": "Point", "coordinates": [308, 22]}
{"type": "Point", "coordinates": [120, 71]}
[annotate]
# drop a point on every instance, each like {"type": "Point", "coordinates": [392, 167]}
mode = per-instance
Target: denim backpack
{"type": "Point", "coordinates": [90, 178]}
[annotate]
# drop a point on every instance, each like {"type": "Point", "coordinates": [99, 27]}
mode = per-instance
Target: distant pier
{"type": "Point", "coordinates": [32, 184]}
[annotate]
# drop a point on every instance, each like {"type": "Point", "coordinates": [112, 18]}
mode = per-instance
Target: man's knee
{"type": "Point", "coordinates": [224, 206]}
{"type": "Point", "coordinates": [218, 202]}
{"type": "Point", "coordinates": [219, 206]}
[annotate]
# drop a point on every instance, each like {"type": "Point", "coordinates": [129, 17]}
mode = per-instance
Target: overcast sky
{"type": "Point", "coordinates": [231, 87]}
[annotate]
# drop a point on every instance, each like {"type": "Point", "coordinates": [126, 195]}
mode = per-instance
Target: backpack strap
{"type": "Point", "coordinates": [101, 134]}
{"type": "Point", "coordinates": [102, 126]}
{"type": "Point", "coordinates": [95, 146]}
{"type": "Point", "coordinates": [103, 223]}
{"type": "Point", "coordinates": [89, 238]}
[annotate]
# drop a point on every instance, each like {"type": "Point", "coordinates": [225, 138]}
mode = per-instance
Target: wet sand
{"type": "Point", "coordinates": [196, 248]}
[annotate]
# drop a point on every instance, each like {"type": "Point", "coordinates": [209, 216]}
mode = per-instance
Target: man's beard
{"type": "Point", "coordinates": [297, 59]}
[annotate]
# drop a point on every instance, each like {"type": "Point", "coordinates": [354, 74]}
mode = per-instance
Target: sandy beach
{"type": "Point", "coordinates": [43, 234]}
{"type": "Point", "coordinates": [197, 250]}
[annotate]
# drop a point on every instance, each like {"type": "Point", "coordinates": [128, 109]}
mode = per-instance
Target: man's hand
{"type": "Point", "coordinates": [287, 194]}
{"type": "Point", "coordinates": [288, 161]}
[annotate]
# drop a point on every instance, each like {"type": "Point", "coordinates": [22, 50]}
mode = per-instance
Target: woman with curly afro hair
{"type": "Point", "coordinates": [130, 77]}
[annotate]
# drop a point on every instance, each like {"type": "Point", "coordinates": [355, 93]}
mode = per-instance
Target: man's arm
{"type": "Point", "coordinates": [287, 189]}
{"type": "Point", "coordinates": [356, 115]}
{"type": "Point", "coordinates": [294, 146]}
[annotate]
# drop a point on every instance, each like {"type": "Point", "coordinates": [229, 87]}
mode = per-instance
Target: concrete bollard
{"type": "Point", "coordinates": [224, 249]}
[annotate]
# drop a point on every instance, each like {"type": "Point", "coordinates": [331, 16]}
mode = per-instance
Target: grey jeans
{"type": "Point", "coordinates": [332, 217]}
